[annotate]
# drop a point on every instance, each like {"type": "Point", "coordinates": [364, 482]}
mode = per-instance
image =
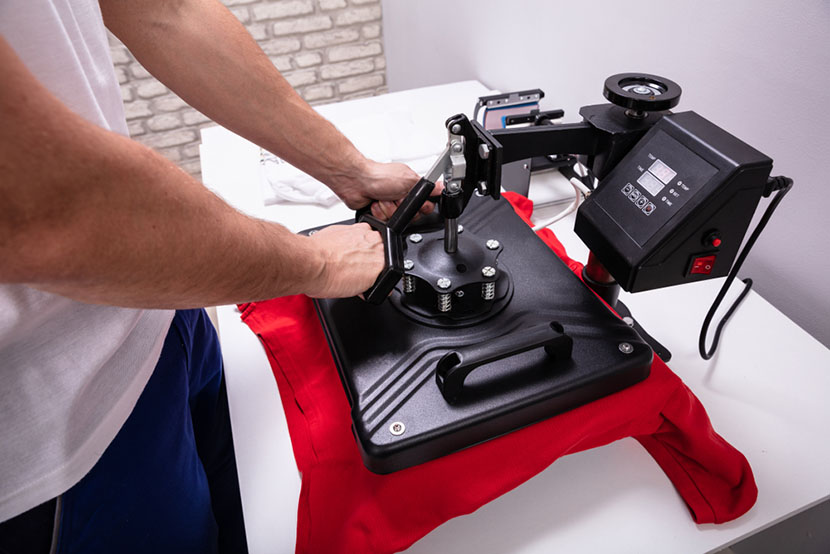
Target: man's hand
{"type": "Point", "coordinates": [352, 258]}
{"type": "Point", "coordinates": [384, 185]}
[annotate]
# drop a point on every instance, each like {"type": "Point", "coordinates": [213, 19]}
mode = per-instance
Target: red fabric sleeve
{"type": "Point", "coordinates": [691, 454]}
{"type": "Point", "coordinates": [345, 508]}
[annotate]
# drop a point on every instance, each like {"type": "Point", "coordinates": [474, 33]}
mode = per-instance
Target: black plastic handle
{"type": "Point", "coordinates": [393, 261]}
{"type": "Point", "coordinates": [407, 209]}
{"type": "Point", "coordinates": [391, 232]}
{"type": "Point", "coordinates": [454, 366]}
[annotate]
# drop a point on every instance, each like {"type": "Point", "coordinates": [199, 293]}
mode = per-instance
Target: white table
{"type": "Point", "coordinates": [765, 392]}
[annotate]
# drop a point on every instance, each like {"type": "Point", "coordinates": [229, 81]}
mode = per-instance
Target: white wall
{"type": "Point", "coordinates": [760, 69]}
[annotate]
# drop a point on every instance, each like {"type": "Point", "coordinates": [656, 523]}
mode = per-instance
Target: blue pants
{"type": "Point", "coordinates": [167, 482]}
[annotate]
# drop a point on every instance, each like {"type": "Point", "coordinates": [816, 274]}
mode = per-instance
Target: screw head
{"type": "Point", "coordinates": [312, 232]}
{"type": "Point", "coordinates": [483, 151]}
{"type": "Point", "coordinates": [416, 238]}
{"type": "Point", "coordinates": [626, 348]}
{"type": "Point", "coordinates": [488, 271]}
{"type": "Point", "coordinates": [628, 321]}
{"type": "Point", "coordinates": [453, 187]}
{"type": "Point", "coordinates": [459, 293]}
{"type": "Point", "coordinates": [460, 228]}
{"type": "Point", "coordinates": [444, 283]}
{"type": "Point", "coordinates": [456, 147]}
{"type": "Point", "coordinates": [397, 428]}
{"type": "Point", "coordinates": [408, 264]}
{"type": "Point", "coordinates": [455, 129]}
{"type": "Point", "coordinates": [493, 244]}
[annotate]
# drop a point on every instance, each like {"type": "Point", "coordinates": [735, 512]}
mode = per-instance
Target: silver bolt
{"type": "Point", "coordinates": [456, 147]}
{"type": "Point", "coordinates": [459, 293]}
{"type": "Point", "coordinates": [453, 186]}
{"type": "Point", "coordinates": [312, 232]}
{"type": "Point", "coordinates": [488, 271]}
{"type": "Point", "coordinates": [493, 244]}
{"type": "Point", "coordinates": [408, 264]}
{"type": "Point", "coordinates": [628, 321]}
{"type": "Point", "coordinates": [482, 188]}
{"type": "Point", "coordinates": [444, 283]}
{"type": "Point", "coordinates": [626, 348]}
{"type": "Point", "coordinates": [444, 302]}
{"type": "Point", "coordinates": [416, 238]}
{"type": "Point", "coordinates": [483, 151]}
{"type": "Point", "coordinates": [456, 129]}
{"type": "Point", "coordinates": [397, 428]}
{"type": "Point", "coordinates": [460, 228]}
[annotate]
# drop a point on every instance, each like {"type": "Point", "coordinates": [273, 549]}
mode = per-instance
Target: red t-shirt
{"type": "Point", "coordinates": [346, 508]}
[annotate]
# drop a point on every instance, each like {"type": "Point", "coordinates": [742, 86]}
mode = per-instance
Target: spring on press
{"type": "Point", "coordinates": [408, 283]}
{"type": "Point", "coordinates": [444, 302]}
{"type": "Point", "coordinates": [488, 290]}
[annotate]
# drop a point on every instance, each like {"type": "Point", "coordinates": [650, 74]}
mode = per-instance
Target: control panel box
{"type": "Point", "coordinates": [676, 208]}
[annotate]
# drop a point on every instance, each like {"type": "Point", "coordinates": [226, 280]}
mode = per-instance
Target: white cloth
{"type": "Point", "coordinates": [384, 137]}
{"type": "Point", "coordinates": [70, 373]}
{"type": "Point", "coordinates": [282, 182]}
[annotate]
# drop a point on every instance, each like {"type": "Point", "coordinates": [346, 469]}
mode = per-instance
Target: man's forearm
{"type": "Point", "coordinates": [97, 217]}
{"type": "Point", "coordinates": [202, 52]}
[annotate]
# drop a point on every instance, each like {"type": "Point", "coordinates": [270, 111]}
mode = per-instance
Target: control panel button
{"type": "Point", "coordinates": [641, 202]}
{"type": "Point", "coordinates": [635, 194]}
{"type": "Point", "coordinates": [702, 265]}
{"type": "Point", "coordinates": [626, 190]}
{"type": "Point", "coordinates": [648, 208]}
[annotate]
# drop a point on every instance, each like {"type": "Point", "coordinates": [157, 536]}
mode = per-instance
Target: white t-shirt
{"type": "Point", "coordinates": [70, 373]}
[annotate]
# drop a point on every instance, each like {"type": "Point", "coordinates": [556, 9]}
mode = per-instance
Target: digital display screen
{"type": "Point", "coordinates": [650, 183]}
{"type": "Point", "coordinates": [662, 171]}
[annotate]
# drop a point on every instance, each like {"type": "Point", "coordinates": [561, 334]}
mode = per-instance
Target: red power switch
{"type": "Point", "coordinates": [702, 265]}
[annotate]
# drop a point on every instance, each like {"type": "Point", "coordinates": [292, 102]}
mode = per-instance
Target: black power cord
{"type": "Point", "coordinates": [781, 186]}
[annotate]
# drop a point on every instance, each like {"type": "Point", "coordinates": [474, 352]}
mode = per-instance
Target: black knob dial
{"type": "Point", "coordinates": [642, 92]}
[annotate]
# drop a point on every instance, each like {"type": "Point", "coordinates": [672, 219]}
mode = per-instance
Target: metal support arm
{"type": "Point", "coordinates": [543, 140]}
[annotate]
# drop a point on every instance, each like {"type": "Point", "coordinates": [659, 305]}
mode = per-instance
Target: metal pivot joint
{"type": "Point", "coordinates": [473, 162]}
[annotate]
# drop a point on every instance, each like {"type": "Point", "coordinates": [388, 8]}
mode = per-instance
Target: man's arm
{"type": "Point", "coordinates": [202, 52]}
{"type": "Point", "coordinates": [95, 216]}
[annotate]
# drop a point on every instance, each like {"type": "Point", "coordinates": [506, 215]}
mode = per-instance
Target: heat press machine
{"type": "Point", "coordinates": [476, 328]}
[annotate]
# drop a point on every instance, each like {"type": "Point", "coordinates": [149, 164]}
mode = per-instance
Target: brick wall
{"type": "Point", "coordinates": [328, 50]}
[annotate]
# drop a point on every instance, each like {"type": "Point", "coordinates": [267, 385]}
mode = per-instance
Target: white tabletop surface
{"type": "Point", "coordinates": [765, 392]}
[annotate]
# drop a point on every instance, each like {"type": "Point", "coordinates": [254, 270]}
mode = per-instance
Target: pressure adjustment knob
{"type": "Point", "coordinates": [641, 93]}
